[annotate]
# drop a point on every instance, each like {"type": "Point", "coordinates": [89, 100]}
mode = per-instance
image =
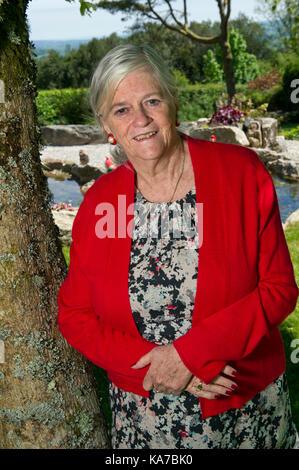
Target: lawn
{"type": "Point", "coordinates": [289, 330]}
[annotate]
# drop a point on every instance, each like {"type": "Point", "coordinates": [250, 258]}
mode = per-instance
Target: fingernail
{"type": "Point", "coordinates": [228, 392]}
{"type": "Point", "coordinates": [234, 373]}
{"type": "Point", "coordinates": [218, 396]}
{"type": "Point", "coordinates": [234, 386]}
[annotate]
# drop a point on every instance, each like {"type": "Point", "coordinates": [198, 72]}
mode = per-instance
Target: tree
{"type": "Point", "coordinates": [212, 70]}
{"type": "Point", "coordinates": [245, 65]}
{"type": "Point", "coordinates": [285, 18]}
{"type": "Point", "coordinates": [150, 9]}
{"type": "Point", "coordinates": [48, 395]}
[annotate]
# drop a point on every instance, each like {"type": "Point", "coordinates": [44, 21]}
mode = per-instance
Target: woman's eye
{"type": "Point", "coordinates": [153, 102]}
{"type": "Point", "coordinates": [121, 111]}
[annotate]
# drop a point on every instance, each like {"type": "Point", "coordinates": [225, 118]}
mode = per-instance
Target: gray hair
{"type": "Point", "coordinates": [114, 67]}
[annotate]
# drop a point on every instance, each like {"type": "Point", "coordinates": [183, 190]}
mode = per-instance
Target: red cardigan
{"type": "Point", "coordinates": [245, 285]}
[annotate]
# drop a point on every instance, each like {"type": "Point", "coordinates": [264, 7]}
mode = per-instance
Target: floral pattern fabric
{"type": "Point", "coordinates": [162, 286]}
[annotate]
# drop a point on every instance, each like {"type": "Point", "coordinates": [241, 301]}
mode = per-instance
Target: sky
{"type": "Point", "coordinates": [58, 19]}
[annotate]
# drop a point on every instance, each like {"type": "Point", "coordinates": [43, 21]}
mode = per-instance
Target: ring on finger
{"type": "Point", "coordinates": [200, 385]}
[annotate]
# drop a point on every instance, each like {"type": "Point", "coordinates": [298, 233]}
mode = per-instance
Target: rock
{"type": "Point", "coordinates": [67, 135]}
{"type": "Point", "coordinates": [269, 131]}
{"type": "Point", "coordinates": [64, 220]}
{"type": "Point", "coordinates": [279, 145]}
{"type": "Point", "coordinates": [84, 158]}
{"type": "Point", "coordinates": [86, 186]}
{"type": "Point", "coordinates": [82, 174]}
{"type": "Point", "coordinates": [56, 164]}
{"type": "Point", "coordinates": [253, 133]}
{"type": "Point", "coordinates": [285, 168]}
{"type": "Point", "coordinates": [294, 217]}
{"type": "Point", "coordinates": [225, 134]}
{"type": "Point", "coordinates": [267, 155]}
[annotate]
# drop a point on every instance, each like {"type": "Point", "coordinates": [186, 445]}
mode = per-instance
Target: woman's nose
{"type": "Point", "coordinates": [141, 117]}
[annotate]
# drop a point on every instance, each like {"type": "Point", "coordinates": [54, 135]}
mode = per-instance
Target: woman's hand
{"type": "Point", "coordinates": [218, 388]}
{"type": "Point", "coordinates": [167, 372]}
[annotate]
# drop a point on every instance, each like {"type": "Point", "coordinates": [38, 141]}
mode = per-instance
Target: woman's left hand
{"type": "Point", "coordinates": [167, 372]}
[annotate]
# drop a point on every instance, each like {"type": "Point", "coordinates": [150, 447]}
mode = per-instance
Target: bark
{"type": "Point", "coordinates": [226, 49]}
{"type": "Point", "coordinates": [48, 393]}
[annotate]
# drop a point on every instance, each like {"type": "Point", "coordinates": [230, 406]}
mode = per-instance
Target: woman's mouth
{"type": "Point", "coordinates": [145, 136]}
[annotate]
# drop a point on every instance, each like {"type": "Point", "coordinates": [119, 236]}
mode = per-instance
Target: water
{"type": "Point", "coordinates": [287, 194]}
{"type": "Point", "coordinates": [65, 191]}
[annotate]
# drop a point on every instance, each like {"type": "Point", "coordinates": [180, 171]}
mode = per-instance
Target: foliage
{"type": "Point", "coordinates": [73, 70]}
{"type": "Point", "coordinates": [169, 17]}
{"type": "Point", "coordinates": [285, 18]}
{"type": "Point", "coordinates": [227, 115]}
{"type": "Point", "coordinates": [198, 101]}
{"type": "Point", "coordinates": [63, 107]}
{"type": "Point", "coordinates": [245, 64]}
{"type": "Point", "coordinates": [265, 82]}
{"type": "Point", "coordinates": [291, 134]}
{"type": "Point", "coordinates": [180, 78]}
{"type": "Point", "coordinates": [211, 68]}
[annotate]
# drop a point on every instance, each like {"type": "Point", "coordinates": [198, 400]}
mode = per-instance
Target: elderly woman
{"type": "Point", "coordinates": [179, 276]}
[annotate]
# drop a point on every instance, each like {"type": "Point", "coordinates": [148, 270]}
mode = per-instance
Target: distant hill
{"type": "Point", "coordinates": [61, 46]}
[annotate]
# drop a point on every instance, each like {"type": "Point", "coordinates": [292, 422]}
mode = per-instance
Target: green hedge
{"type": "Point", "coordinates": [68, 106]}
{"type": "Point", "coordinates": [71, 106]}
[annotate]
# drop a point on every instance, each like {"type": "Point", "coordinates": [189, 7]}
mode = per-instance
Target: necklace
{"type": "Point", "coordinates": [175, 185]}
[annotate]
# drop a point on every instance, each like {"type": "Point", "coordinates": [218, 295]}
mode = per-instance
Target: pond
{"type": "Point", "coordinates": [287, 193]}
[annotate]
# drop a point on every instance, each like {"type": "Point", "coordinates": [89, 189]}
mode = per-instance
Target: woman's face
{"type": "Point", "coordinates": [140, 118]}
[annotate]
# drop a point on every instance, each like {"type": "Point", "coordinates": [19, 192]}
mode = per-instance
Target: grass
{"type": "Point", "coordinates": [289, 331]}
{"type": "Point", "coordinates": [290, 130]}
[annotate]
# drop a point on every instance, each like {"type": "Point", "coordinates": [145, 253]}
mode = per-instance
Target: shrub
{"type": "Point", "coordinates": [265, 82]}
{"type": "Point", "coordinates": [291, 134]}
{"type": "Point", "coordinates": [212, 71]}
{"type": "Point", "coordinates": [227, 115]}
{"type": "Point", "coordinates": [198, 101]}
{"type": "Point", "coordinates": [181, 80]}
{"type": "Point", "coordinates": [68, 106]}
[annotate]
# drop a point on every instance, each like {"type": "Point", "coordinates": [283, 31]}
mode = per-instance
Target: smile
{"type": "Point", "coordinates": [145, 136]}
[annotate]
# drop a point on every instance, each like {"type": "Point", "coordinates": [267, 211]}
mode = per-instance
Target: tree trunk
{"type": "Point", "coordinates": [48, 393]}
{"type": "Point", "coordinates": [228, 68]}
{"type": "Point", "coordinates": [224, 10]}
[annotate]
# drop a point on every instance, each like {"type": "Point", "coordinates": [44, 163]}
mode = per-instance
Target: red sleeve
{"type": "Point", "coordinates": [106, 347]}
{"type": "Point", "coordinates": [232, 333]}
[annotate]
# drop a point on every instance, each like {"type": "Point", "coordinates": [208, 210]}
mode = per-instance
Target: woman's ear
{"type": "Point", "coordinates": [104, 125]}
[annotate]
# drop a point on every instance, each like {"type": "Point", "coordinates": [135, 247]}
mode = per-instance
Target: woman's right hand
{"type": "Point", "coordinates": [219, 387]}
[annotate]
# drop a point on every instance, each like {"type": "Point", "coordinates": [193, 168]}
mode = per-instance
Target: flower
{"type": "Point", "coordinates": [62, 206]}
{"type": "Point", "coordinates": [226, 115]}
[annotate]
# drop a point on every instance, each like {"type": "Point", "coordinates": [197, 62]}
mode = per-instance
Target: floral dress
{"type": "Point", "coordinates": [162, 286]}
